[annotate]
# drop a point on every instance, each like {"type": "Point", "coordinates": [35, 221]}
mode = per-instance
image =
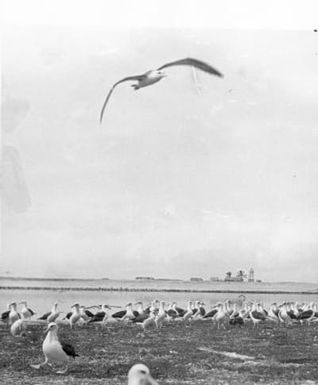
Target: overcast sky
{"type": "Point", "coordinates": [193, 176]}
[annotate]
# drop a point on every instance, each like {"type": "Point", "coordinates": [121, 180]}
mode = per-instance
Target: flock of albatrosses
{"type": "Point", "coordinates": [155, 315]}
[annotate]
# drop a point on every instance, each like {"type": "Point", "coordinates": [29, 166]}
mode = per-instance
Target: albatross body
{"type": "Point", "coordinates": [86, 315]}
{"type": "Point", "coordinates": [52, 315]}
{"type": "Point", "coordinates": [257, 316]}
{"type": "Point", "coordinates": [171, 311]}
{"type": "Point", "coordinates": [18, 328]}
{"type": "Point", "coordinates": [188, 315]}
{"type": "Point", "coordinates": [26, 312]}
{"type": "Point", "coordinates": [220, 316]}
{"type": "Point", "coordinates": [154, 76]}
{"type": "Point", "coordinates": [55, 352]}
{"type": "Point", "coordinates": [161, 315]}
{"type": "Point", "coordinates": [100, 315]}
{"type": "Point", "coordinates": [13, 315]}
{"type": "Point", "coordinates": [76, 315]}
{"type": "Point", "coordinates": [149, 78]}
{"type": "Point", "coordinates": [130, 314]}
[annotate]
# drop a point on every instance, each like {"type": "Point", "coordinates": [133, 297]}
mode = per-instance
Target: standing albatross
{"type": "Point", "coordinates": [153, 76]}
{"type": "Point", "coordinates": [55, 351]}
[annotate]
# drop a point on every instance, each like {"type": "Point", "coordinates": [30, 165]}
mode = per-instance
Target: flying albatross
{"type": "Point", "coordinates": [153, 76]}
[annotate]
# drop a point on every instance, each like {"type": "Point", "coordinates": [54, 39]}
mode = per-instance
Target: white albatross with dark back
{"type": "Point", "coordinates": [55, 352]}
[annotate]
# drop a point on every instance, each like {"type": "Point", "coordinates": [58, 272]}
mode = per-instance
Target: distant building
{"type": "Point", "coordinates": [241, 276]}
{"type": "Point", "coordinates": [251, 275]}
{"type": "Point", "coordinates": [228, 275]}
{"type": "Point", "coordinates": [144, 278]}
{"type": "Point", "coordinates": [196, 279]}
{"type": "Point", "coordinates": [229, 278]}
{"type": "Point", "coordinates": [214, 279]}
{"type": "Point", "coordinates": [233, 279]}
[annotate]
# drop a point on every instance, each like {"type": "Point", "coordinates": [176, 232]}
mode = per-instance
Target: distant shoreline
{"type": "Point", "coordinates": [3, 278]}
{"type": "Point", "coordinates": [204, 281]}
{"type": "Point", "coordinates": [128, 289]}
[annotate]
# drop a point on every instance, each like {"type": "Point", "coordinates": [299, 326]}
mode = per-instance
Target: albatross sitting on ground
{"type": "Point", "coordinates": [52, 315]}
{"type": "Point", "coordinates": [154, 76]}
{"type": "Point", "coordinates": [5, 314]}
{"type": "Point", "coordinates": [128, 314]}
{"type": "Point", "coordinates": [18, 328]}
{"type": "Point", "coordinates": [55, 352]}
{"type": "Point", "coordinates": [100, 315]}
{"type": "Point", "coordinates": [86, 315]}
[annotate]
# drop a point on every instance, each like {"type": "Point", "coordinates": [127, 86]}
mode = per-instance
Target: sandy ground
{"type": "Point", "coordinates": [176, 354]}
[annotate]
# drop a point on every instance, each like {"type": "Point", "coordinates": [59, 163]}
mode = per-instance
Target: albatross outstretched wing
{"type": "Point", "coordinates": [137, 77]}
{"type": "Point", "coordinates": [194, 63]}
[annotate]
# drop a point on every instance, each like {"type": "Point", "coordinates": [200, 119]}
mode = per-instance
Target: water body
{"type": "Point", "coordinates": [108, 284]}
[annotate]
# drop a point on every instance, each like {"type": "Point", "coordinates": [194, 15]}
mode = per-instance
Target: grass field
{"type": "Point", "coordinates": [176, 354]}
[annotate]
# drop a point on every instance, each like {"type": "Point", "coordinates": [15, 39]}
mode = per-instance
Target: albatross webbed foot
{"type": "Point", "coordinates": [62, 371]}
{"type": "Point", "coordinates": [38, 366]}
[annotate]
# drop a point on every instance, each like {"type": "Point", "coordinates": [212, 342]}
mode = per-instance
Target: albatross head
{"type": "Point", "coordinates": [156, 74]}
{"type": "Point", "coordinates": [140, 374]}
{"type": "Point", "coordinates": [161, 73]}
{"type": "Point", "coordinates": [50, 327]}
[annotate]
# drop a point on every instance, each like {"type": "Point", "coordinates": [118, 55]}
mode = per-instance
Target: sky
{"type": "Point", "coordinates": [193, 176]}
